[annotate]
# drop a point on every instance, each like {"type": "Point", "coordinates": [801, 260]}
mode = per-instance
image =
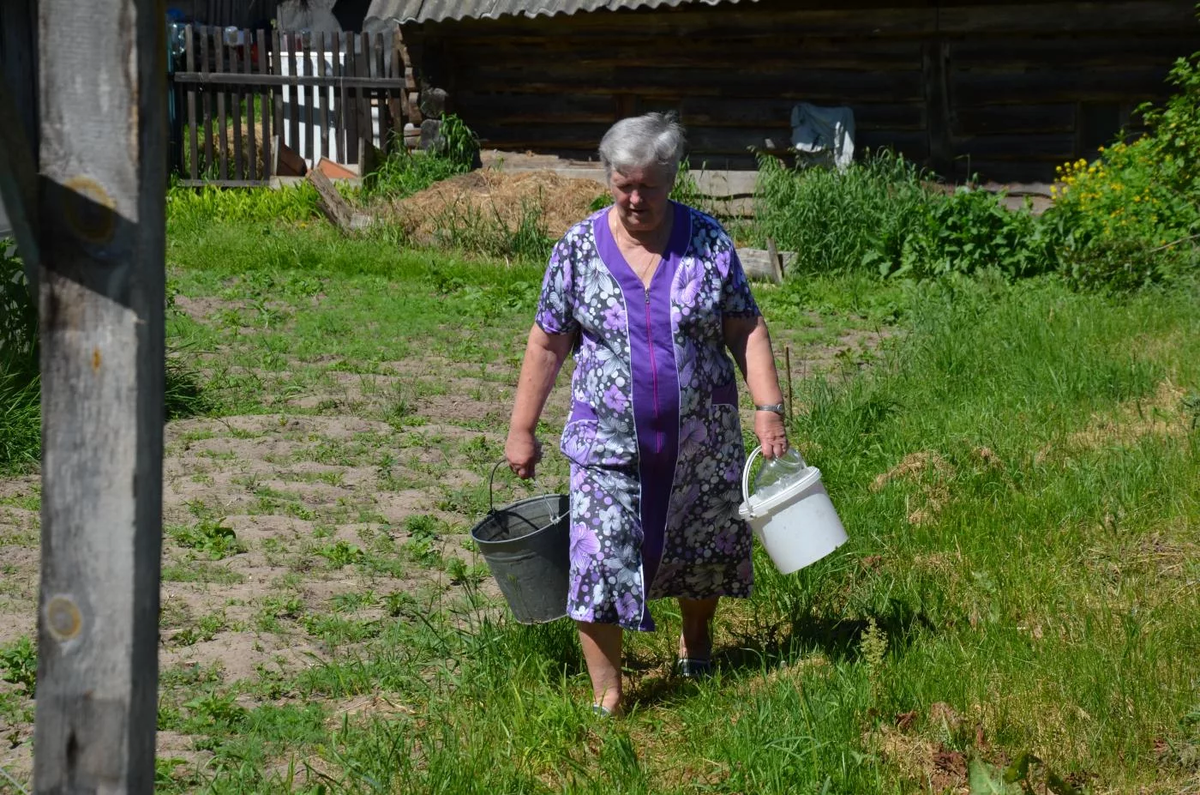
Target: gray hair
{"type": "Point", "coordinates": [654, 139]}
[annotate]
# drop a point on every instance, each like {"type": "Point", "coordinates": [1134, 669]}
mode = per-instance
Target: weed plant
{"type": "Point", "coordinates": [1132, 216]}
{"type": "Point", "coordinates": [476, 230]}
{"type": "Point", "coordinates": [20, 394]}
{"type": "Point", "coordinates": [454, 151]}
{"type": "Point", "coordinates": [972, 231]}
{"type": "Point", "coordinates": [190, 210]}
{"type": "Point", "coordinates": [840, 222]}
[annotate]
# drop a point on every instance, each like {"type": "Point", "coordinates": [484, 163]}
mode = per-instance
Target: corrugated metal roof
{"type": "Point", "coordinates": [438, 10]}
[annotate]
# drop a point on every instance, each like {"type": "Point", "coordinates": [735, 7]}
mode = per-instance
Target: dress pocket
{"type": "Point", "coordinates": [725, 395]}
{"type": "Point", "coordinates": [579, 435]}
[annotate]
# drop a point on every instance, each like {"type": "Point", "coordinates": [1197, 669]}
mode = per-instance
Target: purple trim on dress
{"type": "Point", "coordinates": [655, 382]}
{"type": "Point", "coordinates": [580, 411]}
{"type": "Point", "coordinates": [725, 395]}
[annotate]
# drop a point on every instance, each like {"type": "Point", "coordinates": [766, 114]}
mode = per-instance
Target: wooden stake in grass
{"type": "Point", "coordinates": [787, 358]}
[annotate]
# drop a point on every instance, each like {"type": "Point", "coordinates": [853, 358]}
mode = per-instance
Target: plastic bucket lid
{"type": "Point", "coordinates": [749, 510]}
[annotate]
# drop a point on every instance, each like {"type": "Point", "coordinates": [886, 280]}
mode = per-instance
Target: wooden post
{"type": "Point", "coordinates": [939, 121]}
{"type": "Point", "coordinates": [103, 166]}
{"type": "Point", "coordinates": [787, 354]}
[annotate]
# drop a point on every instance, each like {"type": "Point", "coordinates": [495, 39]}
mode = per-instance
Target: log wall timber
{"type": "Point", "coordinates": [999, 88]}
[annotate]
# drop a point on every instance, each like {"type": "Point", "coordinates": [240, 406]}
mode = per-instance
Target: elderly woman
{"type": "Point", "coordinates": [649, 294]}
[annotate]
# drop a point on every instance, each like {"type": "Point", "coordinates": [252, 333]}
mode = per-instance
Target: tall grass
{"type": "Point", "coordinates": [838, 222]}
{"type": "Point", "coordinates": [20, 415]}
{"type": "Point", "coordinates": [20, 379]}
{"type": "Point", "coordinates": [455, 151]}
{"type": "Point", "coordinates": [190, 210]}
{"type": "Point", "coordinates": [1020, 478]}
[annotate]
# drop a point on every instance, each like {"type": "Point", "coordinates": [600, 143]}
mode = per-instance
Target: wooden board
{"type": "Point", "coordinates": [102, 298]}
{"type": "Point", "coordinates": [757, 263]}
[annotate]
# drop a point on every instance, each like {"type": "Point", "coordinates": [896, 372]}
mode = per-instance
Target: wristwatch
{"type": "Point", "coordinates": [775, 407]}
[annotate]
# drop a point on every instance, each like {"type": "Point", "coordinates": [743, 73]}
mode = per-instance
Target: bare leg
{"type": "Point", "coordinates": [602, 650]}
{"type": "Point", "coordinates": [697, 614]}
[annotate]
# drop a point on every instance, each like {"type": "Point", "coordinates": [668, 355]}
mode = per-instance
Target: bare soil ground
{"type": "Point", "coordinates": [289, 535]}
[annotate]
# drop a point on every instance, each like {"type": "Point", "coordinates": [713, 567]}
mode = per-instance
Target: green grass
{"type": "Point", "coordinates": [1016, 465]}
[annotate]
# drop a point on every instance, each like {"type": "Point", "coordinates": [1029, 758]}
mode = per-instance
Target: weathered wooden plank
{"type": "Point", "coordinates": [190, 62]}
{"type": "Point", "coordinates": [207, 99]}
{"type": "Point", "coordinates": [1072, 50]}
{"type": "Point", "coordinates": [759, 55]}
{"type": "Point", "coordinates": [935, 59]}
{"type": "Point", "coordinates": [818, 86]}
{"type": "Point", "coordinates": [1067, 17]}
{"type": "Point", "coordinates": [362, 68]}
{"type": "Point", "coordinates": [397, 100]}
{"type": "Point", "coordinates": [521, 108]}
{"type": "Point", "coordinates": [703, 142]}
{"type": "Point", "coordinates": [1004, 170]}
{"type": "Point", "coordinates": [250, 95]}
{"type": "Point", "coordinates": [265, 98]}
{"type": "Point", "coordinates": [294, 95]}
{"type": "Point", "coordinates": [307, 95]}
{"type": "Point", "coordinates": [783, 19]}
{"type": "Point", "coordinates": [1052, 147]}
{"type": "Point", "coordinates": [339, 104]}
{"type": "Point", "coordinates": [913, 145]}
{"type": "Point", "coordinates": [102, 298]}
{"type": "Point", "coordinates": [334, 207]}
{"type": "Point", "coordinates": [976, 89]}
{"type": "Point", "coordinates": [222, 130]}
{"type": "Point", "coordinates": [224, 183]}
{"type": "Point", "coordinates": [381, 97]}
{"type": "Point", "coordinates": [323, 110]}
{"type": "Point", "coordinates": [1047, 118]}
{"type": "Point", "coordinates": [239, 156]}
{"type": "Point", "coordinates": [759, 264]}
{"type": "Point", "coordinates": [276, 91]}
{"type": "Point", "coordinates": [742, 112]}
{"type": "Point", "coordinates": [351, 98]}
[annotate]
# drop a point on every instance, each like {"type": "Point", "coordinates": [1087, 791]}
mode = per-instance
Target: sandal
{"type": "Point", "coordinates": [690, 668]}
{"type": "Point", "coordinates": [601, 711]}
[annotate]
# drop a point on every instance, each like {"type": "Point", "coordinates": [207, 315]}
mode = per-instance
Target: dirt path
{"type": "Point", "coordinates": [290, 536]}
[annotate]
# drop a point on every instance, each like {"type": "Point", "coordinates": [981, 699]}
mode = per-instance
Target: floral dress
{"type": "Point", "coordinates": [653, 436]}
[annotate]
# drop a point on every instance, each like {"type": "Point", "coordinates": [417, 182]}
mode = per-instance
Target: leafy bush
{"type": "Point", "coordinates": [841, 221]}
{"type": "Point", "coordinates": [212, 537]}
{"type": "Point", "coordinates": [454, 151]}
{"type": "Point", "coordinates": [1132, 216]}
{"type": "Point", "coordinates": [18, 662]}
{"type": "Point", "coordinates": [971, 231]}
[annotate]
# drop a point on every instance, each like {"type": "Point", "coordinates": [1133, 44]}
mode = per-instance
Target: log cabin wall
{"type": "Point", "coordinates": [1006, 90]}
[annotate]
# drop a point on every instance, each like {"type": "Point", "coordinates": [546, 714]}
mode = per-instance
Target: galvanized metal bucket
{"type": "Point", "coordinates": [527, 548]}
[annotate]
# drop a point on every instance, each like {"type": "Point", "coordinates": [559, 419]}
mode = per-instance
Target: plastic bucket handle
{"type": "Point", "coordinates": [746, 476]}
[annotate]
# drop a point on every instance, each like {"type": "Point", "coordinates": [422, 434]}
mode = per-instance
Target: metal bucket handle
{"type": "Point", "coordinates": [492, 491]}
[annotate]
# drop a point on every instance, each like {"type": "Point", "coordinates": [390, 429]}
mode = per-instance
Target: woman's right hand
{"type": "Point", "coordinates": [523, 452]}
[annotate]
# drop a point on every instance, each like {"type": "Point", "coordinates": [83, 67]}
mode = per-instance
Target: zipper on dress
{"type": "Point", "coordinates": [658, 436]}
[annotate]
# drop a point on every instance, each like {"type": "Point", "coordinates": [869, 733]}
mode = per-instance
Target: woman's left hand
{"type": "Point", "coordinates": [768, 427]}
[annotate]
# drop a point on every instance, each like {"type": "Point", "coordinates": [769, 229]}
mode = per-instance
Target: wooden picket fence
{"type": "Point", "coordinates": [247, 100]}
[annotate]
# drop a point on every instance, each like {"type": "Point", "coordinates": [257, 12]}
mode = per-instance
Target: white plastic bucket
{"type": "Point", "coordinates": [798, 525]}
